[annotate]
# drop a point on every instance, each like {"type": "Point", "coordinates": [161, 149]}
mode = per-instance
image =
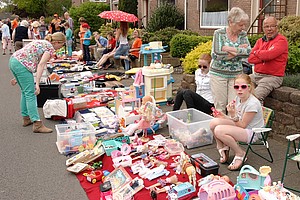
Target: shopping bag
{"type": "Point", "coordinates": [48, 90]}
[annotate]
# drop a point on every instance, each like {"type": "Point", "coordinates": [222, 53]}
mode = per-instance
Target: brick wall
{"type": "Point", "coordinates": [285, 102]}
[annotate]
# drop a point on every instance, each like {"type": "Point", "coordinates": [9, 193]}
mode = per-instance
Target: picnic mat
{"type": "Point", "coordinates": [93, 191]}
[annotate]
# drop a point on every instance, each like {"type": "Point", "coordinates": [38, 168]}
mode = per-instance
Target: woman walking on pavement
{"type": "Point", "coordinates": [23, 63]}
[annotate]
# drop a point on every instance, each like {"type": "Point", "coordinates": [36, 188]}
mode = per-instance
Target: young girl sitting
{"type": "Point", "coordinates": [244, 113]}
{"type": "Point", "coordinates": [201, 99]}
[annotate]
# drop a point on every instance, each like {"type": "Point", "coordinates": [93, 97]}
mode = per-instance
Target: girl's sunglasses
{"type": "Point", "coordinates": [244, 86]}
{"type": "Point", "coordinates": [202, 66]}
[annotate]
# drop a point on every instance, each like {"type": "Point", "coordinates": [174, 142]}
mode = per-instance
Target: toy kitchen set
{"type": "Point", "coordinates": [157, 76]}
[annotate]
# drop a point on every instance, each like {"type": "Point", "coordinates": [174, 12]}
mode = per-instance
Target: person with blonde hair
{"type": "Point", "coordinates": [23, 63]}
{"type": "Point", "coordinates": [244, 113]}
{"type": "Point", "coordinates": [230, 47]}
{"type": "Point", "coordinates": [202, 99]}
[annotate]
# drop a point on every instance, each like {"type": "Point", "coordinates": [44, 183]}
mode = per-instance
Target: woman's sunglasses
{"type": "Point", "coordinates": [202, 66]}
{"type": "Point", "coordinates": [244, 86]}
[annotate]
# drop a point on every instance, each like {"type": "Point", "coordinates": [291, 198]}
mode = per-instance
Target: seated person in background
{"type": "Point", "coordinates": [201, 99]}
{"type": "Point", "coordinates": [269, 56]}
{"type": "Point", "coordinates": [105, 58]}
{"type": "Point", "coordinates": [109, 51]}
{"type": "Point", "coordinates": [136, 46]}
{"type": "Point", "coordinates": [244, 113]}
{"type": "Point", "coordinates": [98, 48]}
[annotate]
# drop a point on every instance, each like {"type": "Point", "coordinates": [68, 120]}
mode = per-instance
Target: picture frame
{"type": "Point", "coordinates": [118, 178]}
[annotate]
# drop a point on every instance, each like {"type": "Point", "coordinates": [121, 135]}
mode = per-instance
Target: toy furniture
{"type": "Point", "coordinates": [292, 154]}
{"type": "Point", "coordinates": [268, 115]}
{"type": "Point", "coordinates": [157, 83]}
{"type": "Point", "coordinates": [155, 53]}
{"type": "Point", "coordinates": [126, 96]}
{"type": "Point", "coordinates": [250, 179]}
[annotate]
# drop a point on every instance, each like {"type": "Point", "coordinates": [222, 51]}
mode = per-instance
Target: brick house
{"type": "Point", "coordinates": [204, 16]}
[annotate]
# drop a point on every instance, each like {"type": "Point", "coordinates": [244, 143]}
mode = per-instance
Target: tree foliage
{"type": "Point", "coordinates": [129, 6]}
{"type": "Point", "coordinates": [166, 15]}
{"type": "Point", "coordinates": [90, 12]}
{"type": "Point", "coordinates": [37, 8]}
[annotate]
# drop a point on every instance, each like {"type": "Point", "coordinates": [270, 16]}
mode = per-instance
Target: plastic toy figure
{"type": "Point", "coordinates": [94, 176]}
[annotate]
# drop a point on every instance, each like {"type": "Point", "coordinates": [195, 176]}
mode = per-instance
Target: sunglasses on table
{"type": "Point", "coordinates": [202, 66]}
{"type": "Point", "coordinates": [244, 86]}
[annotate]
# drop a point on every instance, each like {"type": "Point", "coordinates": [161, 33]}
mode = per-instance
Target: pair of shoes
{"type": "Point", "coordinates": [4, 53]}
{"type": "Point", "coordinates": [10, 53]}
{"type": "Point", "coordinates": [233, 166]}
{"type": "Point", "coordinates": [224, 153]}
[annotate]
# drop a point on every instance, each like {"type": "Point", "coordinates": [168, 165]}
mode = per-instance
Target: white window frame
{"type": "Point", "coordinates": [200, 17]}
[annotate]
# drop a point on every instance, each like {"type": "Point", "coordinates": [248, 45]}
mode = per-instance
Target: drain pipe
{"type": "Point", "coordinates": [185, 14]}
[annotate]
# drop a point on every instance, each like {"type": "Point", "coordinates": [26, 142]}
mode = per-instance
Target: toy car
{"type": "Point", "coordinates": [94, 176]}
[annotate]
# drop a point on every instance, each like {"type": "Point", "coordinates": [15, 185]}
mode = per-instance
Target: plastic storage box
{"type": "Point", "coordinates": [190, 127]}
{"type": "Point", "coordinates": [75, 137]}
{"type": "Point", "coordinates": [204, 165]}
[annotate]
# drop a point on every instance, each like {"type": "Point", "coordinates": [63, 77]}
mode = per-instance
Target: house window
{"type": "Point", "coordinates": [213, 13]}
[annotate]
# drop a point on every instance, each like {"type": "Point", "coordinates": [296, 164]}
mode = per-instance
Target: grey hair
{"type": "Point", "coordinates": [24, 23]}
{"type": "Point", "coordinates": [236, 15]}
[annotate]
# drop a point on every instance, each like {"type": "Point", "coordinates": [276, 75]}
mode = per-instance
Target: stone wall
{"type": "Point", "coordinates": [285, 102]}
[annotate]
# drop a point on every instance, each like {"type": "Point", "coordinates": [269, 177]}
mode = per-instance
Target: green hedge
{"type": "Point", "coordinates": [182, 44]}
{"type": "Point", "coordinates": [165, 35]}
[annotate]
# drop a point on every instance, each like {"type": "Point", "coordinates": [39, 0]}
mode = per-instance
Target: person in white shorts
{"type": "Point", "coordinates": [244, 113]}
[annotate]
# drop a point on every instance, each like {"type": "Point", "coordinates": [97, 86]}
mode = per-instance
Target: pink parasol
{"type": "Point", "coordinates": [119, 16]}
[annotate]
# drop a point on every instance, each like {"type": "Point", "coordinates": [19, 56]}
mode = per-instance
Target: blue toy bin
{"type": "Point", "coordinates": [111, 145]}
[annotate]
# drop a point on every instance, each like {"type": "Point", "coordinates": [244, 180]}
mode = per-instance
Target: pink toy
{"type": "Point", "coordinates": [215, 111]}
{"type": "Point", "coordinates": [215, 190]}
{"type": "Point", "coordinates": [147, 112]}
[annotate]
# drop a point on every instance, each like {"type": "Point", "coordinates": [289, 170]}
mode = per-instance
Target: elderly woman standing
{"type": "Point", "coordinates": [23, 63]}
{"type": "Point", "coordinates": [230, 46]}
{"type": "Point", "coordinates": [20, 33]}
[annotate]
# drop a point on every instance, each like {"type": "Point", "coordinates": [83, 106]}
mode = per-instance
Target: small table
{"type": "Point", "coordinates": [152, 52]}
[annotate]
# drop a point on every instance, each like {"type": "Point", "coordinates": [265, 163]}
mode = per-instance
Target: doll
{"type": "Point", "coordinates": [147, 112]}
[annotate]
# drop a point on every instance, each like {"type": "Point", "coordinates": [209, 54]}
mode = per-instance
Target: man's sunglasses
{"type": "Point", "coordinates": [202, 66]}
{"type": "Point", "coordinates": [244, 86]}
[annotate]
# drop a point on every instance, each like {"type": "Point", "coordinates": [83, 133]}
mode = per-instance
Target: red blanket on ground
{"type": "Point", "coordinates": [93, 190]}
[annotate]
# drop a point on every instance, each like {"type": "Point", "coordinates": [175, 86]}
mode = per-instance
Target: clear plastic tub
{"type": "Point", "coordinates": [190, 127]}
{"type": "Point", "coordinates": [75, 137]}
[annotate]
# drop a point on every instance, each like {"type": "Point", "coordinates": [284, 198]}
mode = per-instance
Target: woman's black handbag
{"type": "Point", "coordinates": [48, 90]}
{"type": "Point", "coordinates": [247, 67]}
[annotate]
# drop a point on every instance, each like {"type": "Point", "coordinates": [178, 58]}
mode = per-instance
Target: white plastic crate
{"type": "Point", "coordinates": [73, 137]}
{"type": "Point", "coordinates": [190, 127]}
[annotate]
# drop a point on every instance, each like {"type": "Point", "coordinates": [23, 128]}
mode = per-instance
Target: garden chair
{"type": "Point", "coordinates": [292, 154]}
{"type": "Point", "coordinates": [268, 115]}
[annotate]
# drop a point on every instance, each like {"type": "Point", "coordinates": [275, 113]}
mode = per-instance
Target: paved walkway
{"type": "Point", "coordinates": [32, 168]}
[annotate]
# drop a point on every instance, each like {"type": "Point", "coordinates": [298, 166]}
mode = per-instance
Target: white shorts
{"type": "Point", "coordinates": [250, 133]}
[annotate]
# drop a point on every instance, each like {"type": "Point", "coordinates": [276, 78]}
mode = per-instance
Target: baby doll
{"type": "Point", "coordinates": [147, 112]}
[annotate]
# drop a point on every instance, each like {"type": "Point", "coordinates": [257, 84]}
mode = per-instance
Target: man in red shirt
{"type": "Point", "coordinates": [269, 56]}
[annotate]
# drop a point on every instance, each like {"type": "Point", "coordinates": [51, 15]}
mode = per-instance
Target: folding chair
{"type": "Point", "coordinates": [268, 115]}
{"type": "Point", "coordinates": [293, 154]}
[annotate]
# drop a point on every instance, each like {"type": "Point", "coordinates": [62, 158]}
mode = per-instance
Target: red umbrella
{"type": "Point", "coordinates": [119, 16]}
